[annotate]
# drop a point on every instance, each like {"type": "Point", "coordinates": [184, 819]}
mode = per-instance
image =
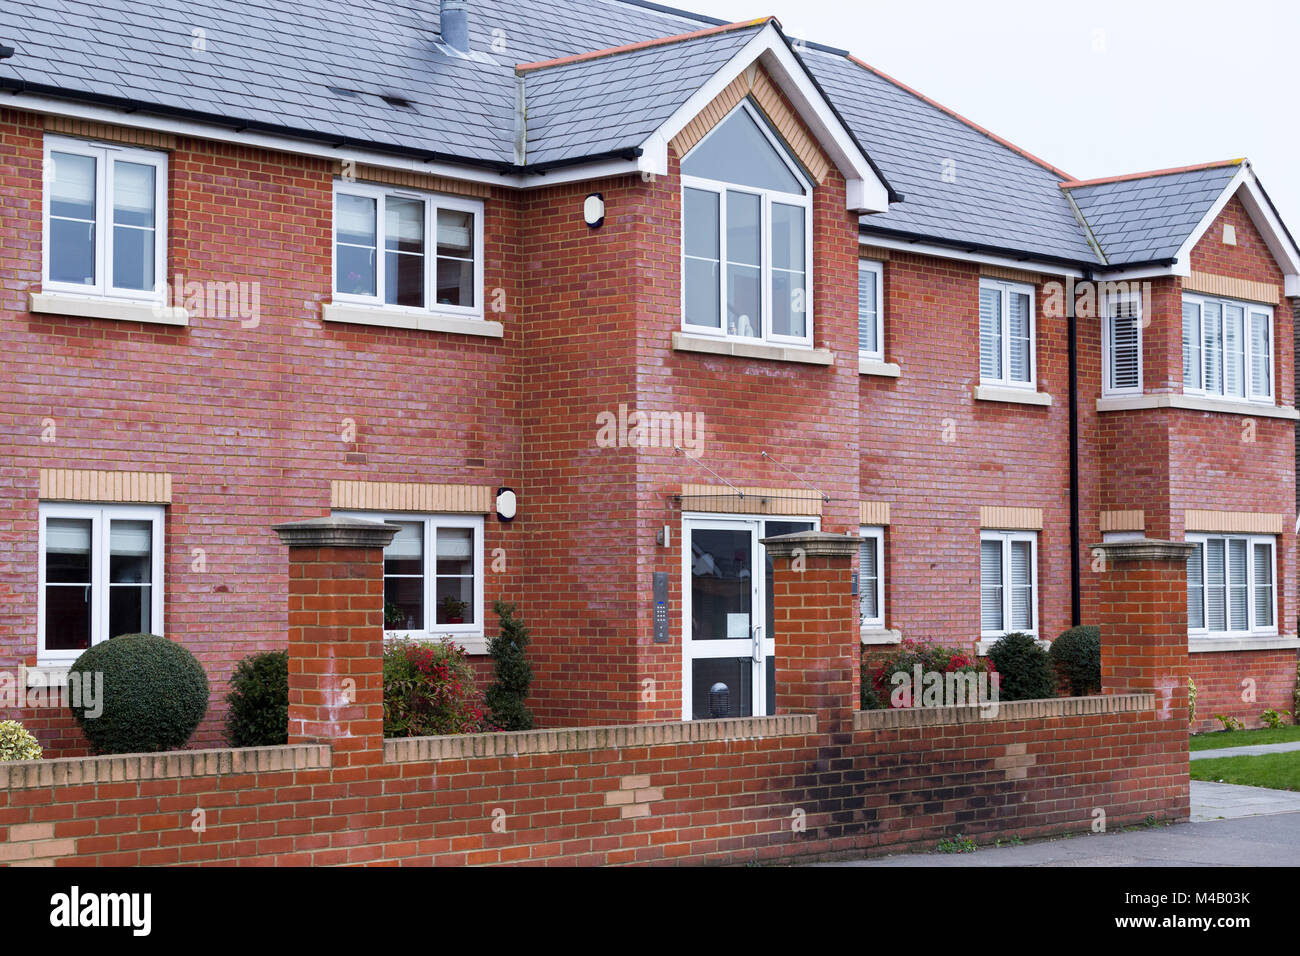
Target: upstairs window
{"type": "Point", "coordinates": [871, 324]}
{"type": "Point", "coordinates": [1227, 349]}
{"type": "Point", "coordinates": [408, 250]}
{"type": "Point", "coordinates": [1122, 345]}
{"type": "Point", "coordinates": [746, 235]}
{"type": "Point", "coordinates": [101, 575]}
{"type": "Point", "coordinates": [1230, 585]}
{"type": "Point", "coordinates": [1006, 333]}
{"type": "Point", "coordinates": [105, 219]}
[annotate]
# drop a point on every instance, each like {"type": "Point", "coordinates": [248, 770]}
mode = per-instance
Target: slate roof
{"type": "Point", "coordinates": [595, 106]}
{"type": "Point", "coordinates": [1148, 217]}
{"type": "Point", "coordinates": [321, 68]}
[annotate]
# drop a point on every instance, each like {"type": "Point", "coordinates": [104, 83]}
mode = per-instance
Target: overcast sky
{"type": "Point", "coordinates": [1096, 89]}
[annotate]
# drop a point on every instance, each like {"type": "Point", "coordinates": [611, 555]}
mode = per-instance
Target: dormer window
{"type": "Point", "coordinates": [746, 232]}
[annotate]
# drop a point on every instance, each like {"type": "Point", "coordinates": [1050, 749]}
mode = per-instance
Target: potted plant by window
{"type": "Point", "coordinates": [453, 610]}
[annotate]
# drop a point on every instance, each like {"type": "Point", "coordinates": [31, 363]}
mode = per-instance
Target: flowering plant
{"type": "Point", "coordinates": [429, 691]}
{"type": "Point", "coordinates": [878, 682]}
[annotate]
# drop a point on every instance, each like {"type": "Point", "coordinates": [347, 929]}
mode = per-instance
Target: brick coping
{"type": "Point", "coordinates": [902, 717]}
{"type": "Point", "coordinates": [172, 765]}
{"type": "Point", "coordinates": [513, 743]}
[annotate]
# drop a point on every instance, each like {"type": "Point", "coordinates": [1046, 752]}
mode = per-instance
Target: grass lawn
{"type": "Point", "coordinates": [1275, 771]}
{"type": "Point", "coordinates": [1244, 738]}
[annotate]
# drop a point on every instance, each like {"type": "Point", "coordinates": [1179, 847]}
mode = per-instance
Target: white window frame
{"type": "Point", "coordinates": [877, 267]}
{"type": "Point", "coordinates": [469, 636]}
{"type": "Point", "coordinates": [766, 197]}
{"type": "Point", "coordinates": [1006, 288]}
{"type": "Point", "coordinates": [1007, 537]}
{"type": "Point", "coordinates": [1247, 308]}
{"type": "Point", "coordinates": [1107, 342]}
{"type": "Point", "coordinates": [876, 535]}
{"type": "Point", "coordinates": [1252, 630]}
{"type": "Point", "coordinates": [99, 515]}
{"type": "Point", "coordinates": [105, 154]}
{"type": "Point", "coordinates": [432, 203]}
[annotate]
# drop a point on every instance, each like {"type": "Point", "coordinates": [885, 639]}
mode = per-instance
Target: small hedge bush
{"type": "Point", "coordinates": [505, 698]}
{"type": "Point", "coordinates": [1025, 669]}
{"type": "Point", "coordinates": [1077, 656]}
{"type": "Point", "coordinates": [16, 743]}
{"type": "Point", "coordinates": [259, 701]}
{"type": "Point", "coordinates": [154, 694]}
{"type": "Point", "coordinates": [877, 680]}
{"type": "Point", "coordinates": [429, 691]}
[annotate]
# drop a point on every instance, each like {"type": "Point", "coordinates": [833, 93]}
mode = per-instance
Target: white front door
{"type": "Point", "coordinates": [728, 648]}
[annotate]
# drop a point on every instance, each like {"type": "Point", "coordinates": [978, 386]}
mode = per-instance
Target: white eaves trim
{"type": "Point", "coordinates": [949, 252]}
{"type": "Point", "coordinates": [866, 191]}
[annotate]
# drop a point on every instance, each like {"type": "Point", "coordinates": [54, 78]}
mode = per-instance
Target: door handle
{"type": "Point", "coordinates": [757, 637]}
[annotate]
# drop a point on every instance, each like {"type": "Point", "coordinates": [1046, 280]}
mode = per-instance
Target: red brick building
{"type": "Point", "coordinates": [592, 300]}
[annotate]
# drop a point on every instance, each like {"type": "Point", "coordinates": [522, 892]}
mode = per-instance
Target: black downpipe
{"type": "Point", "coordinates": [1072, 349]}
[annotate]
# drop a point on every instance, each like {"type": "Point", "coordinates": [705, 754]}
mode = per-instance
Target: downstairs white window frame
{"type": "Point", "coordinates": [1007, 538]}
{"type": "Point", "coordinates": [873, 537]}
{"type": "Point", "coordinates": [1252, 627]}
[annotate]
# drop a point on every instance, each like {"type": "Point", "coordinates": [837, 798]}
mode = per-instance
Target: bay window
{"type": "Point", "coordinates": [746, 235]}
{"type": "Point", "coordinates": [1008, 583]}
{"type": "Point", "coordinates": [1227, 348]}
{"type": "Point", "coordinates": [1006, 333]}
{"type": "Point", "coordinates": [105, 219]}
{"type": "Point", "coordinates": [100, 575]}
{"type": "Point", "coordinates": [407, 250]}
{"type": "Point", "coordinates": [1231, 585]}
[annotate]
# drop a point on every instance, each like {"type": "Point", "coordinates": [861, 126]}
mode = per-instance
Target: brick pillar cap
{"type": "Point", "coordinates": [813, 544]}
{"type": "Point", "coordinates": [336, 533]}
{"type": "Point", "coordinates": [1145, 549]}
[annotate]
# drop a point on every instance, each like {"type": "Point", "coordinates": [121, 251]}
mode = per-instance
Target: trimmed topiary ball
{"type": "Point", "coordinates": [1025, 669]}
{"type": "Point", "coordinates": [1077, 656]}
{"type": "Point", "coordinates": [16, 743]}
{"type": "Point", "coordinates": [259, 701]}
{"type": "Point", "coordinates": [154, 694]}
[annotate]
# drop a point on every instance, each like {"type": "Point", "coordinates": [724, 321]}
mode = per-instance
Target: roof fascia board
{"type": "Point", "coordinates": [980, 258]}
{"type": "Point", "coordinates": [866, 191]}
{"type": "Point", "coordinates": [599, 169]}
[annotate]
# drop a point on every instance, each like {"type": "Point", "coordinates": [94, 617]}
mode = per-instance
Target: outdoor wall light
{"type": "Point", "coordinates": [507, 504]}
{"type": "Point", "coordinates": [593, 210]}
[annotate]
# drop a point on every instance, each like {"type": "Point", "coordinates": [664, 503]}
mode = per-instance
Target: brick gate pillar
{"type": "Point", "coordinates": [816, 627]}
{"type": "Point", "coordinates": [1143, 620]}
{"type": "Point", "coordinates": [336, 635]}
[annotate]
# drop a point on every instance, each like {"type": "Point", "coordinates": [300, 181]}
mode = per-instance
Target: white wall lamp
{"type": "Point", "coordinates": [593, 210]}
{"type": "Point", "coordinates": [507, 504]}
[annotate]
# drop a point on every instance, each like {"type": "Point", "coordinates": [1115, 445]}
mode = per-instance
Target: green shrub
{"type": "Point", "coordinates": [1025, 669]}
{"type": "Point", "coordinates": [1275, 718]}
{"type": "Point", "coordinates": [154, 694]}
{"type": "Point", "coordinates": [877, 691]}
{"type": "Point", "coordinates": [1077, 656]}
{"type": "Point", "coordinates": [259, 701]}
{"type": "Point", "coordinates": [513, 674]}
{"type": "Point", "coordinates": [1229, 722]}
{"type": "Point", "coordinates": [16, 743]}
{"type": "Point", "coordinates": [429, 690]}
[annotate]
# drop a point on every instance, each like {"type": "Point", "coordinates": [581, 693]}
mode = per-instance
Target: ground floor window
{"type": "Point", "coordinates": [1231, 585]}
{"type": "Point", "coordinates": [1008, 583]}
{"type": "Point", "coordinates": [433, 574]}
{"type": "Point", "coordinates": [871, 578]}
{"type": "Point", "coordinates": [101, 575]}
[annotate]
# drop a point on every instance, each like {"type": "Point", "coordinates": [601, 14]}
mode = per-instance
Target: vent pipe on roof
{"type": "Point", "coordinates": [453, 21]}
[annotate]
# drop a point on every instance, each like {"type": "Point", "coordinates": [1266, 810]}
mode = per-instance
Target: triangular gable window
{"type": "Point", "coordinates": [737, 152]}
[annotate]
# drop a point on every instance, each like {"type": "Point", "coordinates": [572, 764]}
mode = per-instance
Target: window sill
{"type": "Point", "coordinates": [880, 635]}
{"type": "Point", "coordinates": [867, 366]}
{"type": "Point", "coordinates": [683, 342]}
{"type": "Point", "coordinates": [118, 310]}
{"type": "Point", "coordinates": [403, 319]}
{"type": "Point", "coordinates": [1264, 642]}
{"type": "Point", "coordinates": [985, 644]}
{"type": "Point", "coordinates": [1019, 396]}
{"type": "Point", "coordinates": [473, 643]}
{"type": "Point", "coordinates": [1196, 403]}
{"type": "Point", "coordinates": [47, 675]}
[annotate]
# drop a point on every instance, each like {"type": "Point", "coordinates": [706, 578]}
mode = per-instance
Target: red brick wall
{"type": "Point", "coordinates": [249, 421]}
